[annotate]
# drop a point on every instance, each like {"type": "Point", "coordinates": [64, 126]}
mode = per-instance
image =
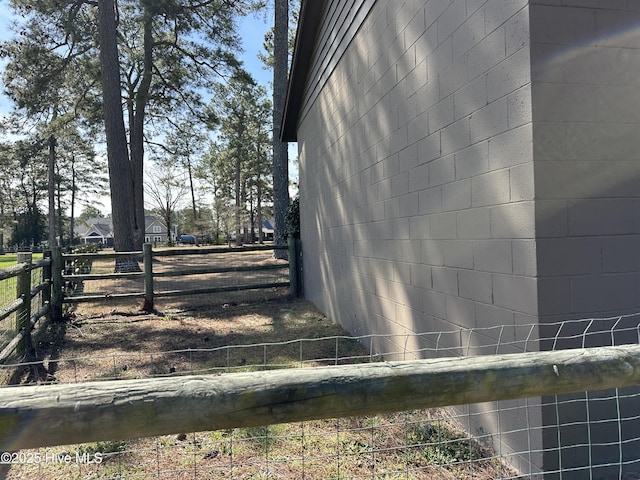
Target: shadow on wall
{"type": "Point", "coordinates": [420, 221]}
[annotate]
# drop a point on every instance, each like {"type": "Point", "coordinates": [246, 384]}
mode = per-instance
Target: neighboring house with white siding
{"type": "Point", "coordinates": [474, 163]}
{"type": "Point", "coordinates": [96, 230]}
{"type": "Point", "coordinates": [155, 230]}
{"type": "Point", "coordinates": [100, 230]}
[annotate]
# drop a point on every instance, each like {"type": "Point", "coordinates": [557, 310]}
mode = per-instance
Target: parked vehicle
{"type": "Point", "coordinates": [190, 239]}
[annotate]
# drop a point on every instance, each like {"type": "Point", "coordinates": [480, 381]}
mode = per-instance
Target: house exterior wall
{"type": "Point", "coordinates": [474, 163]}
{"type": "Point", "coordinates": [420, 170]}
{"type": "Point", "coordinates": [416, 171]}
{"type": "Point", "coordinates": [586, 111]}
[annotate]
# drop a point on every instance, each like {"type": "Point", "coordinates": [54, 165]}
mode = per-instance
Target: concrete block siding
{"type": "Point", "coordinates": [415, 154]}
{"type": "Point", "coordinates": [585, 66]}
{"type": "Point", "coordinates": [417, 174]}
{"type": "Point", "coordinates": [469, 163]}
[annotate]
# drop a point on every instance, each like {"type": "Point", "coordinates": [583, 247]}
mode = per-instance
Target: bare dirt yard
{"type": "Point", "coordinates": [221, 334]}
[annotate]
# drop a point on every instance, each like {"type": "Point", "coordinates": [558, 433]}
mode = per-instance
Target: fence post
{"type": "Point", "coordinates": [23, 314]}
{"type": "Point", "coordinates": [56, 283]}
{"type": "Point", "coordinates": [294, 270]}
{"type": "Point", "coordinates": [147, 256]}
{"type": "Point", "coordinates": [46, 278]}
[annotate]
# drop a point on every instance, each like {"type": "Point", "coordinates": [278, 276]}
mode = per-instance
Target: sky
{"type": "Point", "coordinates": [252, 31]}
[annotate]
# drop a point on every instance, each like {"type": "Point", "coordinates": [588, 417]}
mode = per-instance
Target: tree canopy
{"type": "Point", "coordinates": [138, 76]}
{"type": "Point", "coordinates": [240, 158]}
{"type": "Point", "coordinates": [149, 59]}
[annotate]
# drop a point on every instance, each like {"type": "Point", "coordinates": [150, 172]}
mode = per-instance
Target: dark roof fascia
{"type": "Point", "coordinates": [308, 26]}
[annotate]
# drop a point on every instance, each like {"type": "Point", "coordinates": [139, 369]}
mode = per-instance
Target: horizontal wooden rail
{"type": "Point", "coordinates": [209, 250]}
{"type": "Point", "coordinates": [100, 256]}
{"type": "Point", "coordinates": [23, 333]}
{"type": "Point", "coordinates": [224, 288]}
{"type": "Point", "coordinates": [13, 271]}
{"type": "Point", "coordinates": [102, 276]}
{"type": "Point", "coordinates": [47, 415]}
{"type": "Point", "coordinates": [11, 307]}
{"type": "Point", "coordinates": [43, 262]}
{"type": "Point", "coordinates": [101, 297]}
{"type": "Point", "coordinates": [40, 288]}
{"type": "Point", "coordinates": [210, 270]}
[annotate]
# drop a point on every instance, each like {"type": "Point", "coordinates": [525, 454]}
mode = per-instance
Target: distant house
{"type": "Point", "coordinates": [155, 230]}
{"type": "Point", "coordinates": [100, 231]}
{"type": "Point", "coordinates": [96, 230]}
{"type": "Point", "coordinates": [267, 231]}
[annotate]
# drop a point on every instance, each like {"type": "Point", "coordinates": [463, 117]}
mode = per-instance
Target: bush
{"type": "Point", "coordinates": [293, 219]}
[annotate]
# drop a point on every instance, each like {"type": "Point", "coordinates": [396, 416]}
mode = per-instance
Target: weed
{"type": "Point", "coordinates": [442, 445]}
{"type": "Point", "coordinates": [104, 448]}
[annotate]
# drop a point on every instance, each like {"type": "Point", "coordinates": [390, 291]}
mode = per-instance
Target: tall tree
{"type": "Point", "coordinates": [27, 191]}
{"type": "Point", "coordinates": [185, 144]}
{"type": "Point", "coordinates": [168, 50]}
{"type": "Point", "coordinates": [165, 191]}
{"type": "Point", "coordinates": [242, 108]}
{"type": "Point", "coordinates": [120, 175]}
{"type": "Point", "coordinates": [80, 173]}
{"type": "Point", "coordinates": [280, 149]}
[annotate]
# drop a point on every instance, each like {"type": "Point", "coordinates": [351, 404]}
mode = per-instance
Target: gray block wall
{"type": "Point", "coordinates": [585, 58]}
{"type": "Point", "coordinates": [417, 176]}
{"type": "Point", "coordinates": [471, 163]}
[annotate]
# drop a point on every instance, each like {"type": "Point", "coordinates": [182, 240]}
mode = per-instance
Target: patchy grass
{"type": "Point", "coordinates": [11, 259]}
{"type": "Point", "coordinates": [230, 334]}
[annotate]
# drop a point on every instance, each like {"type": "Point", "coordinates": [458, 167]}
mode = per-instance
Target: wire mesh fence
{"type": "Point", "coordinates": [7, 296]}
{"type": "Point", "coordinates": [24, 291]}
{"type": "Point", "coordinates": [589, 435]}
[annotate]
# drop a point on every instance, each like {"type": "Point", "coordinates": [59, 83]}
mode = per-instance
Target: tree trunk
{"type": "Point", "coordinates": [259, 207]}
{"type": "Point", "coordinates": [137, 136]}
{"type": "Point", "coordinates": [120, 174]}
{"type": "Point", "coordinates": [73, 203]}
{"type": "Point", "coordinates": [238, 197]}
{"type": "Point", "coordinates": [60, 228]}
{"type": "Point", "coordinates": [280, 149]}
{"type": "Point", "coordinates": [52, 179]}
{"type": "Point", "coordinates": [193, 192]}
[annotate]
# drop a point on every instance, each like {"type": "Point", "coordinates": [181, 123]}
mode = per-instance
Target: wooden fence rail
{"type": "Point", "coordinates": [48, 415]}
{"type": "Point", "coordinates": [148, 273]}
{"type": "Point", "coordinates": [54, 277]}
{"type": "Point", "coordinates": [21, 306]}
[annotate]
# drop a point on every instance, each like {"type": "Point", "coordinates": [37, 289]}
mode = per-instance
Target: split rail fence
{"type": "Point", "coordinates": [32, 291]}
{"type": "Point", "coordinates": [49, 415]}
{"type": "Point", "coordinates": [31, 302]}
{"type": "Point", "coordinates": [112, 410]}
{"type": "Point", "coordinates": [79, 270]}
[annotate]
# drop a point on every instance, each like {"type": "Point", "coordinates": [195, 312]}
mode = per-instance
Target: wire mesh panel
{"type": "Point", "coordinates": [7, 297]}
{"type": "Point", "coordinates": [588, 435]}
{"type": "Point", "coordinates": [24, 295]}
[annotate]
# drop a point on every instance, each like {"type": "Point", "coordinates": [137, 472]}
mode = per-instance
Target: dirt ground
{"type": "Point", "coordinates": [223, 333]}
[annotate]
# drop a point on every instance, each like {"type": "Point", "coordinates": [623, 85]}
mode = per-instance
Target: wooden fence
{"type": "Point", "coordinates": [59, 270]}
{"type": "Point", "coordinates": [150, 275]}
{"type": "Point", "coordinates": [21, 307]}
{"type": "Point", "coordinates": [48, 415]}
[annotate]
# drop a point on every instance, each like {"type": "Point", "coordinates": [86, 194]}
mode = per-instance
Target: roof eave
{"type": "Point", "coordinates": [308, 25]}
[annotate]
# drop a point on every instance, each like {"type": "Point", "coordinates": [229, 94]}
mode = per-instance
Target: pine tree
{"type": "Point", "coordinates": [240, 157]}
{"type": "Point", "coordinates": [280, 149]}
{"type": "Point", "coordinates": [149, 59]}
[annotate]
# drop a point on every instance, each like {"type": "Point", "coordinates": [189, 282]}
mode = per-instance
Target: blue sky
{"type": "Point", "coordinates": [252, 31]}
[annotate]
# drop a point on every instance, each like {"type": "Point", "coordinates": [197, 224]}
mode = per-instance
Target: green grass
{"type": "Point", "coordinates": [10, 259]}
